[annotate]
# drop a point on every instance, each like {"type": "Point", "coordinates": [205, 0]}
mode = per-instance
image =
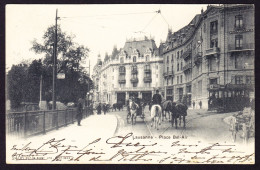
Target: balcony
{"type": "Point", "coordinates": [147, 79]}
{"type": "Point", "coordinates": [147, 70]}
{"type": "Point", "coordinates": [134, 71]}
{"type": "Point", "coordinates": [212, 51]}
{"type": "Point", "coordinates": [245, 47]}
{"type": "Point", "coordinates": [187, 67]}
{"type": "Point", "coordinates": [169, 73]}
{"type": "Point", "coordinates": [134, 80]}
{"type": "Point", "coordinates": [186, 55]}
{"type": "Point", "coordinates": [121, 72]}
{"type": "Point", "coordinates": [198, 58]}
{"type": "Point", "coordinates": [121, 81]}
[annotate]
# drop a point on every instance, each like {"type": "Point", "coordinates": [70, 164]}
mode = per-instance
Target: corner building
{"type": "Point", "coordinates": [137, 70]}
{"type": "Point", "coordinates": [212, 58]}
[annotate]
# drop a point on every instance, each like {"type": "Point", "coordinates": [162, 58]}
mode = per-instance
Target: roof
{"type": "Point", "coordinates": [141, 46]}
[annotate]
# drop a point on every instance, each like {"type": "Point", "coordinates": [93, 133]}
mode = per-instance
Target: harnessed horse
{"type": "Point", "coordinates": [133, 111]}
{"type": "Point", "coordinates": [179, 110]}
{"type": "Point", "coordinates": [156, 115]}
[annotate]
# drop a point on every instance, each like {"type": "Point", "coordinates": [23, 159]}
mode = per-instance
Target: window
{"type": "Point", "coordinates": [172, 58]}
{"type": "Point", "coordinates": [122, 69]}
{"type": "Point", "coordinates": [181, 65]}
{"type": "Point", "coordinates": [147, 67]}
{"type": "Point", "coordinates": [134, 59]}
{"type": "Point", "coordinates": [250, 80]}
{"type": "Point", "coordinates": [178, 67]}
{"type": "Point", "coordinates": [177, 79]}
{"type": "Point", "coordinates": [238, 41]}
{"type": "Point", "coordinates": [178, 55]}
{"type": "Point", "coordinates": [121, 60]}
{"type": "Point", "coordinates": [167, 59]}
{"type": "Point", "coordinates": [212, 64]}
{"type": "Point", "coordinates": [238, 21]}
{"type": "Point", "coordinates": [134, 84]}
{"type": "Point", "coordinates": [172, 68]}
{"type": "Point", "coordinates": [181, 78]}
{"type": "Point", "coordinates": [147, 58]}
{"type": "Point", "coordinates": [181, 52]}
{"type": "Point", "coordinates": [214, 27]}
{"type": "Point", "coordinates": [213, 81]}
{"type": "Point", "coordinates": [167, 80]}
{"type": "Point", "coordinates": [167, 69]}
{"type": "Point", "coordinates": [172, 80]}
{"type": "Point", "coordinates": [238, 62]}
{"type": "Point", "coordinates": [239, 80]}
{"type": "Point", "coordinates": [156, 67]}
{"type": "Point", "coordinates": [214, 43]}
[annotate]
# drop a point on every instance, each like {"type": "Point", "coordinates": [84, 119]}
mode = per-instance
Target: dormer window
{"type": "Point", "coordinates": [134, 59]}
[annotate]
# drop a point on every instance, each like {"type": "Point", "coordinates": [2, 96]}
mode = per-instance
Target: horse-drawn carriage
{"type": "Point", "coordinates": [243, 124]}
{"type": "Point", "coordinates": [139, 112]}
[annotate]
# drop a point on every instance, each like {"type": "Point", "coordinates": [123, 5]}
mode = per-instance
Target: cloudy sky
{"type": "Point", "coordinates": [99, 27]}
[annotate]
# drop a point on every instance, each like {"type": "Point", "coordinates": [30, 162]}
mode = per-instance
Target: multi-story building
{"type": "Point", "coordinates": [212, 57]}
{"type": "Point", "coordinates": [137, 70]}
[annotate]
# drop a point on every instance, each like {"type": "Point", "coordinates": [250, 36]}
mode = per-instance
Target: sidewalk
{"type": "Point", "coordinates": [93, 127]}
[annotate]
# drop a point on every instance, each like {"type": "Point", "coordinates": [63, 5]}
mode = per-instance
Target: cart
{"type": "Point", "coordinates": [242, 124]}
{"type": "Point", "coordinates": [139, 112]}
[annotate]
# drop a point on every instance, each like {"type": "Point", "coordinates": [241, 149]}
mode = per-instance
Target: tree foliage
{"type": "Point", "coordinates": [23, 80]}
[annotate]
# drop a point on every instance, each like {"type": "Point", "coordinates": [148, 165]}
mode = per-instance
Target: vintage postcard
{"type": "Point", "coordinates": [130, 84]}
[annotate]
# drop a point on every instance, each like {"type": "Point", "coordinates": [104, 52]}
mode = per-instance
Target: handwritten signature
{"type": "Point", "coordinates": [123, 149]}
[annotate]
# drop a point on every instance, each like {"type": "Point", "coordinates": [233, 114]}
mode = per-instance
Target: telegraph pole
{"type": "Point", "coordinates": [54, 66]}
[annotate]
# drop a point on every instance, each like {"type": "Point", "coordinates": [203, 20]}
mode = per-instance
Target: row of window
{"type": "Point", "coordinates": [147, 58]}
{"type": "Point", "coordinates": [179, 80]}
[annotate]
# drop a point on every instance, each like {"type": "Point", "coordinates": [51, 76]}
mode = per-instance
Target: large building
{"type": "Point", "coordinates": [212, 57]}
{"type": "Point", "coordinates": [137, 70]}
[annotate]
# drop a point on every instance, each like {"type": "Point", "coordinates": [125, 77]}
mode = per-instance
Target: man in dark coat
{"type": "Point", "coordinates": [79, 111]}
{"type": "Point", "coordinates": [99, 109]}
{"type": "Point", "coordinates": [157, 98]}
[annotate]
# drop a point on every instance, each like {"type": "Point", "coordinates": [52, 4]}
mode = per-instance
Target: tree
{"type": "Point", "coordinates": [70, 55]}
{"type": "Point", "coordinates": [17, 83]}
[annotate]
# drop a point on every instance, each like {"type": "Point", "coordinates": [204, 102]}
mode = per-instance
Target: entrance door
{"type": "Point", "coordinates": [121, 98]}
{"type": "Point", "coordinates": [133, 94]}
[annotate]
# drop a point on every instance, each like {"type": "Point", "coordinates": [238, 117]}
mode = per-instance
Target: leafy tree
{"type": "Point", "coordinates": [70, 55]}
{"type": "Point", "coordinates": [17, 83]}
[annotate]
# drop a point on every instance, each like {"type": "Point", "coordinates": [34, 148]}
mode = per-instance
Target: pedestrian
{"type": "Point", "coordinates": [104, 108]}
{"type": "Point", "coordinates": [200, 104]}
{"type": "Point", "coordinates": [193, 104]}
{"type": "Point", "coordinates": [79, 111]}
{"type": "Point", "coordinates": [99, 109]}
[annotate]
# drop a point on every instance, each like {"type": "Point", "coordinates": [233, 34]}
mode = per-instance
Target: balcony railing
{"type": "Point", "coordinates": [121, 72]}
{"type": "Point", "coordinates": [147, 70]}
{"type": "Point", "coordinates": [212, 51]}
{"type": "Point", "coordinates": [134, 80]}
{"type": "Point", "coordinates": [186, 54]}
{"type": "Point", "coordinates": [187, 67]}
{"type": "Point", "coordinates": [121, 81]}
{"type": "Point", "coordinates": [134, 71]}
{"type": "Point", "coordinates": [169, 73]}
{"type": "Point", "coordinates": [243, 47]}
{"type": "Point", "coordinates": [198, 58]}
{"type": "Point", "coordinates": [147, 79]}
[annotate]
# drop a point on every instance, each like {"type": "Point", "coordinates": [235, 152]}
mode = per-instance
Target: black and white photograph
{"type": "Point", "coordinates": [130, 83]}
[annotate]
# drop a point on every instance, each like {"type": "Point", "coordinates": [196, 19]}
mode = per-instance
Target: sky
{"type": "Point", "coordinates": [98, 27]}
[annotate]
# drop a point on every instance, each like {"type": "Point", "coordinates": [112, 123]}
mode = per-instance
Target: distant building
{"type": "Point", "coordinates": [212, 57]}
{"type": "Point", "coordinates": [137, 70]}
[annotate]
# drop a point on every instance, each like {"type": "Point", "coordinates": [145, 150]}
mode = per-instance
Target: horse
{"type": "Point", "coordinates": [133, 111]}
{"type": "Point", "coordinates": [114, 106]}
{"type": "Point", "coordinates": [156, 115]}
{"type": "Point", "coordinates": [166, 108]}
{"type": "Point", "coordinates": [179, 110]}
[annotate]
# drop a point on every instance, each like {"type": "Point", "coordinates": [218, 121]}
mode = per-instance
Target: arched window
{"type": "Point", "coordinates": [122, 60]}
{"type": "Point", "coordinates": [134, 59]}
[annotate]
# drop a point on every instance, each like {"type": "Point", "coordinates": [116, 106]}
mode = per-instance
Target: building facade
{"type": "Point", "coordinates": [212, 57]}
{"type": "Point", "coordinates": [137, 70]}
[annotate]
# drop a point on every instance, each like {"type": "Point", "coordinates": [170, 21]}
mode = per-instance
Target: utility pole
{"type": "Point", "coordinates": [54, 66]}
{"type": "Point", "coordinates": [41, 89]}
